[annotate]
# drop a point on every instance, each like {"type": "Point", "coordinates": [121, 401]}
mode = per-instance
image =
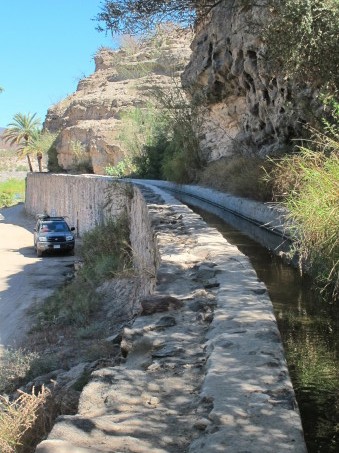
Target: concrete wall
{"type": "Point", "coordinates": [87, 200]}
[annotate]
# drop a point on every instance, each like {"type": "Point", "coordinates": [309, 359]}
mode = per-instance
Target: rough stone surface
{"type": "Point", "coordinates": [122, 79]}
{"type": "Point", "coordinates": [249, 108]}
{"type": "Point", "coordinates": [199, 383]}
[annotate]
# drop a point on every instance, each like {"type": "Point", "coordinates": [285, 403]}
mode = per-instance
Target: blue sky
{"type": "Point", "coordinates": [46, 47]}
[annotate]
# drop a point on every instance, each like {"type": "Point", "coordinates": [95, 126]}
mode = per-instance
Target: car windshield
{"type": "Point", "coordinates": [55, 227]}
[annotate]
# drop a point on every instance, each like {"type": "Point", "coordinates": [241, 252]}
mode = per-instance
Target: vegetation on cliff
{"type": "Point", "coordinates": [302, 40]}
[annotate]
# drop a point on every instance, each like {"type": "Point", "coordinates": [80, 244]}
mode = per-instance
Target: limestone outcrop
{"type": "Point", "coordinates": [92, 115]}
{"type": "Point", "coordinates": [249, 108]}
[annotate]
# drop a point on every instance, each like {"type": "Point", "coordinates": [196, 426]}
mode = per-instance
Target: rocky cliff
{"type": "Point", "coordinates": [92, 115]}
{"type": "Point", "coordinates": [249, 107]}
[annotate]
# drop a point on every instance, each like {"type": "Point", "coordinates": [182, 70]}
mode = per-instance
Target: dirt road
{"type": "Point", "coordinates": [24, 278]}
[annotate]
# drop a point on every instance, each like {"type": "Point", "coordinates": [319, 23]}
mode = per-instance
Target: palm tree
{"type": "Point", "coordinates": [39, 142]}
{"type": "Point", "coordinates": [20, 131]}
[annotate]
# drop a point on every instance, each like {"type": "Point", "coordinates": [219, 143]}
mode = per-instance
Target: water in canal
{"type": "Point", "coordinates": [309, 328]}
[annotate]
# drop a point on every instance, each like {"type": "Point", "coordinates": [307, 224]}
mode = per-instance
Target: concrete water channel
{"type": "Point", "coordinates": [309, 325]}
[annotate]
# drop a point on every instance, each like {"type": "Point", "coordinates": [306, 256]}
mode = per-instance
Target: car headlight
{"type": "Point", "coordinates": [42, 239]}
{"type": "Point", "coordinates": [69, 238]}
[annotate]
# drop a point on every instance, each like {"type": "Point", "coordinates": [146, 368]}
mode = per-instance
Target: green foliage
{"type": "Point", "coordinates": [81, 158]}
{"type": "Point", "coordinates": [139, 126]}
{"type": "Point", "coordinates": [106, 251]}
{"type": "Point", "coordinates": [149, 163]}
{"type": "Point", "coordinates": [12, 192]}
{"type": "Point", "coordinates": [53, 164]}
{"type": "Point", "coordinates": [302, 39]}
{"type": "Point", "coordinates": [135, 16]}
{"type": "Point", "coordinates": [72, 304]}
{"type": "Point", "coordinates": [161, 141]}
{"type": "Point", "coordinates": [21, 131]}
{"type": "Point", "coordinates": [40, 142]}
{"type": "Point", "coordinates": [308, 184]}
{"type": "Point", "coordinates": [182, 160]}
{"type": "Point", "coordinates": [123, 168]}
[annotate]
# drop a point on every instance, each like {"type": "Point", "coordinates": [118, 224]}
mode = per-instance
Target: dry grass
{"type": "Point", "coordinates": [240, 176]}
{"type": "Point", "coordinates": [22, 421]}
{"type": "Point", "coordinates": [308, 185]}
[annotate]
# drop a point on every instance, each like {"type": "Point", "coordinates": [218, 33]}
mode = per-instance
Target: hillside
{"type": "Point", "coordinates": [246, 108]}
{"type": "Point", "coordinates": [91, 117]}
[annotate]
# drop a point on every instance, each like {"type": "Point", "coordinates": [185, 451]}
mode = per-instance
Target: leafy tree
{"type": "Point", "coordinates": [302, 39]}
{"type": "Point", "coordinates": [20, 131]}
{"type": "Point", "coordinates": [134, 16]}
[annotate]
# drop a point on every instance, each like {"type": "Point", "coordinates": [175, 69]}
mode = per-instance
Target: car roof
{"type": "Point", "coordinates": [44, 217]}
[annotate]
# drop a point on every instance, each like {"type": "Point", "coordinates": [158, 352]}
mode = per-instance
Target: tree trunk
{"type": "Point", "coordinates": [29, 163]}
{"type": "Point", "coordinates": [39, 157]}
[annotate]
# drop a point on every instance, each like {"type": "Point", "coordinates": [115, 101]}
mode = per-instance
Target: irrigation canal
{"type": "Point", "coordinates": [308, 325]}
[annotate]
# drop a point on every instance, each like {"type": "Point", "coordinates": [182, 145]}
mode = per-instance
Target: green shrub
{"type": "Point", "coordinates": [106, 250]}
{"type": "Point", "coordinates": [161, 140]}
{"type": "Point", "coordinates": [123, 168]}
{"type": "Point", "coordinates": [74, 304]}
{"type": "Point", "coordinates": [313, 207]}
{"type": "Point", "coordinates": [149, 163]}
{"type": "Point", "coordinates": [302, 40]}
{"type": "Point", "coordinates": [53, 164]}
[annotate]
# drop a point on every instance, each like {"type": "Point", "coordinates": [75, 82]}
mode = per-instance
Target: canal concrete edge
{"type": "Point", "coordinates": [207, 376]}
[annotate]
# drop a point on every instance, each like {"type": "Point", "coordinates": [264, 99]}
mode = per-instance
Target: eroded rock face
{"type": "Point", "coordinates": [249, 109]}
{"type": "Point", "coordinates": [122, 79]}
